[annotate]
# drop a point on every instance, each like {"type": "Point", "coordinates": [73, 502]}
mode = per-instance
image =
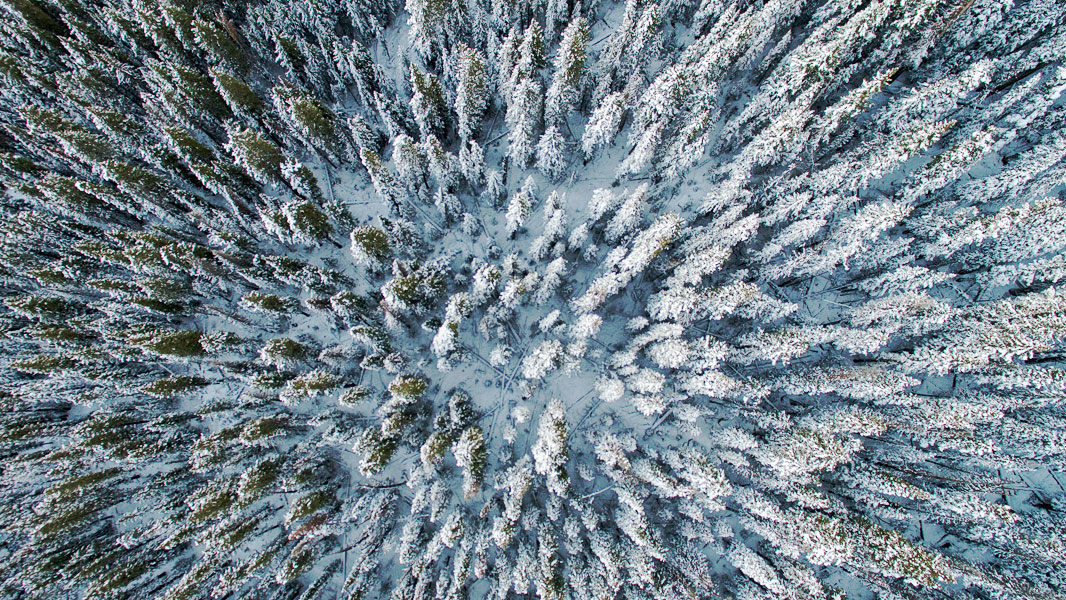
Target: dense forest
{"type": "Point", "coordinates": [554, 299]}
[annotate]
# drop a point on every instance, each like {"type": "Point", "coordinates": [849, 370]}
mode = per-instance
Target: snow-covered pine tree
{"type": "Point", "coordinates": [564, 93]}
{"type": "Point", "coordinates": [472, 92]}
